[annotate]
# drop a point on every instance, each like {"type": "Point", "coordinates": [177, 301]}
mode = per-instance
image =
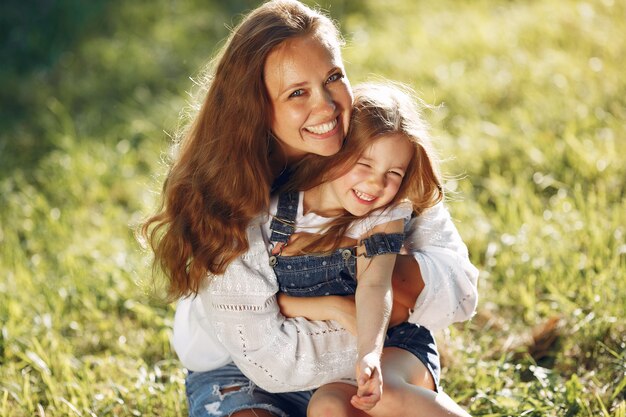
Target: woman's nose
{"type": "Point", "coordinates": [324, 102]}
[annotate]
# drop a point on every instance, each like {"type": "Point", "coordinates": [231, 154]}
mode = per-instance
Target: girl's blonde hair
{"type": "Point", "coordinates": [221, 176]}
{"type": "Point", "coordinates": [380, 109]}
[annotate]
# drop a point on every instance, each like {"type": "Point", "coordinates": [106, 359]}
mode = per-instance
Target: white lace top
{"type": "Point", "coordinates": [236, 317]}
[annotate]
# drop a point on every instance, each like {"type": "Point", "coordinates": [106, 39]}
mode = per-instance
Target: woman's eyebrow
{"type": "Point", "coordinates": [301, 84]}
{"type": "Point", "coordinates": [293, 85]}
{"type": "Point", "coordinates": [333, 70]}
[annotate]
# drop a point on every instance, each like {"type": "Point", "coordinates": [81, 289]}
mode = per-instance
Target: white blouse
{"type": "Point", "coordinates": [236, 316]}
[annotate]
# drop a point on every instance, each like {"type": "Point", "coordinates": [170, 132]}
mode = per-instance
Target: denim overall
{"type": "Point", "coordinates": [335, 274]}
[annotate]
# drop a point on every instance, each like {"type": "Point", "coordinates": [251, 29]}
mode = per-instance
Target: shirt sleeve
{"type": "Point", "coordinates": [197, 349]}
{"type": "Point", "coordinates": [450, 294]}
{"type": "Point", "coordinates": [401, 210]}
{"type": "Point", "coordinates": [278, 354]}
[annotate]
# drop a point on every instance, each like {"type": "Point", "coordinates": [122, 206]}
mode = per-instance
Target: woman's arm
{"type": "Point", "coordinates": [278, 354]}
{"type": "Point", "coordinates": [342, 309]}
{"type": "Point", "coordinates": [449, 278]}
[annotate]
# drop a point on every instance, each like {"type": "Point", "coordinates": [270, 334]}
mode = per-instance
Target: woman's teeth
{"type": "Point", "coordinates": [322, 128]}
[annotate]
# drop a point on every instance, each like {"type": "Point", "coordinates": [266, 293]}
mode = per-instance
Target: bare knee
{"type": "Point", "coordinates": [332, 400]}
{"type": "Point", "coordinates": [391, 401]}
{"type": "Point", "coordinates": [329, 405]}
{"type": "Point", "coordinates": [397, 393]}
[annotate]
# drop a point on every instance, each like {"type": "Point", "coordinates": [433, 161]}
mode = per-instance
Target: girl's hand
{"type": "Point", "coordinates": [370, 382]}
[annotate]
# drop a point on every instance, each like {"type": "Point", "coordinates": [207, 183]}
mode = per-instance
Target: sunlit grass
{"type": "Point", "coordinates": [532, 127]}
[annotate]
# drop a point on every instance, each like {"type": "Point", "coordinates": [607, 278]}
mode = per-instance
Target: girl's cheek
{"type": "Point", "coordinates": [354, 176]}
{"type": "Point", "coordinates": [395, 187]}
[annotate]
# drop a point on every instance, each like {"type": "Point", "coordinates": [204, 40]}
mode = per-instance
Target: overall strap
{"type": "Point", "coordinates": [382, 243]}
{"type": "Point", "coordinates": [284, 222]}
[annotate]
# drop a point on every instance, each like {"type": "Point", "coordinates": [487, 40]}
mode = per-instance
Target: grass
{"type": "Point", "coordinates": [531, 122]}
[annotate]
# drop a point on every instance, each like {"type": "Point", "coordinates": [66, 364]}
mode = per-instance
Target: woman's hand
{"type": "Point", "coordinates": [344, 310]}
{"type": "Point", "coordinates": [341, 309]}
{"type": "Point", "coordinates": [370, 382]}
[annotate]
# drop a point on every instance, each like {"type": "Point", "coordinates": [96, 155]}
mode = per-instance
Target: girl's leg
{"type": "Point", "coordinates": [333, 400]}
{"type": "Point", "coordinates": [408, 389]}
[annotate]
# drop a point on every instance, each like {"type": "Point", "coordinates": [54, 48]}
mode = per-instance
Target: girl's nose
{"type": "Point", "coordinates": [377, 181]}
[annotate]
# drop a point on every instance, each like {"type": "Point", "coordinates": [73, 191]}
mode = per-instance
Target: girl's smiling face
{"type": "Point", "coordinates": [310, 96]}
{"type": "Point", "coordinates": [374, 180]}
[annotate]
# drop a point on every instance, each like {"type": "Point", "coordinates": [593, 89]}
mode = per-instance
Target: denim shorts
{"type": "Point", "coordinates": [206, 396]}
{"type": "Point", "coordinates": [419, 341]}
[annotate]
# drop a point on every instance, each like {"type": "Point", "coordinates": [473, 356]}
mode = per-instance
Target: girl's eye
{"type": "Point", "coordinates": [336, 76]}
{"type": "Point", "coordinates": [297, 93]}
{"type": "Point", "coordinates": [364, 164]}
{"type": "Point", "coordinates": [396, 174]}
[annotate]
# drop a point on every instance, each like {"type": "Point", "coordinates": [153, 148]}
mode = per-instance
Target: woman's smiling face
{"type": "Point", "coordinates": [310, 96]}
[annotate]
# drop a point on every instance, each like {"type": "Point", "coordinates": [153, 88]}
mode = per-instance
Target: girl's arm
{"type": "Point", "coordinates": [373, 310]}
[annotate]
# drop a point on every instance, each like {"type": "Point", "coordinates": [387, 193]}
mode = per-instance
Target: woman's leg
{"type": "Point", "coordinates": [333, 400]}
{"type": "Point", "coordinates": [227, 392]}
{"type": "Point", "coordinates": [408, 389]}
{"type": "Point", "coordinates": [253, 413]}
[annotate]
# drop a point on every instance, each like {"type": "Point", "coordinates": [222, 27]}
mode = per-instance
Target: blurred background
{"type": "Point", "coordinates": [529, 114]}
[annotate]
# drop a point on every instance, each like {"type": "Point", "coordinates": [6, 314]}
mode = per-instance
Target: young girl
{"type": "Point", "coordinates": [351, 226]}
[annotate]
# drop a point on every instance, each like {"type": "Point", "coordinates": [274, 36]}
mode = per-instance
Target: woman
{"type": "Point", "coordinates": [278, 94]}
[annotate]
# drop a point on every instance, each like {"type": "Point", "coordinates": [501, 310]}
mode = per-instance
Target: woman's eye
{"type": "Point", "coordinates": [297, 93]}
{"type": "Point", "coordinates": [336, 76]}
{"type": "Point", "coordinates": [363, 164]}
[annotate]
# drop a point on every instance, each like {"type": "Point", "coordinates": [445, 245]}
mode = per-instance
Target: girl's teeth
{"type": "Point", "coordinates": [323, 128]}
{"type": "Point", "coordinates": [364, 196]}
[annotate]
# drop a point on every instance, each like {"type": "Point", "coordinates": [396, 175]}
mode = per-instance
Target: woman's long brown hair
{"type": "Point", "coordinates": [220, 177]}
{"type": "Point", "coordinates": [380, 109]}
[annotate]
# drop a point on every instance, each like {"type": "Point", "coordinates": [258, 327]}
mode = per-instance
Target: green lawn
{"type": "Point", "coordinates": [530, 117]}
